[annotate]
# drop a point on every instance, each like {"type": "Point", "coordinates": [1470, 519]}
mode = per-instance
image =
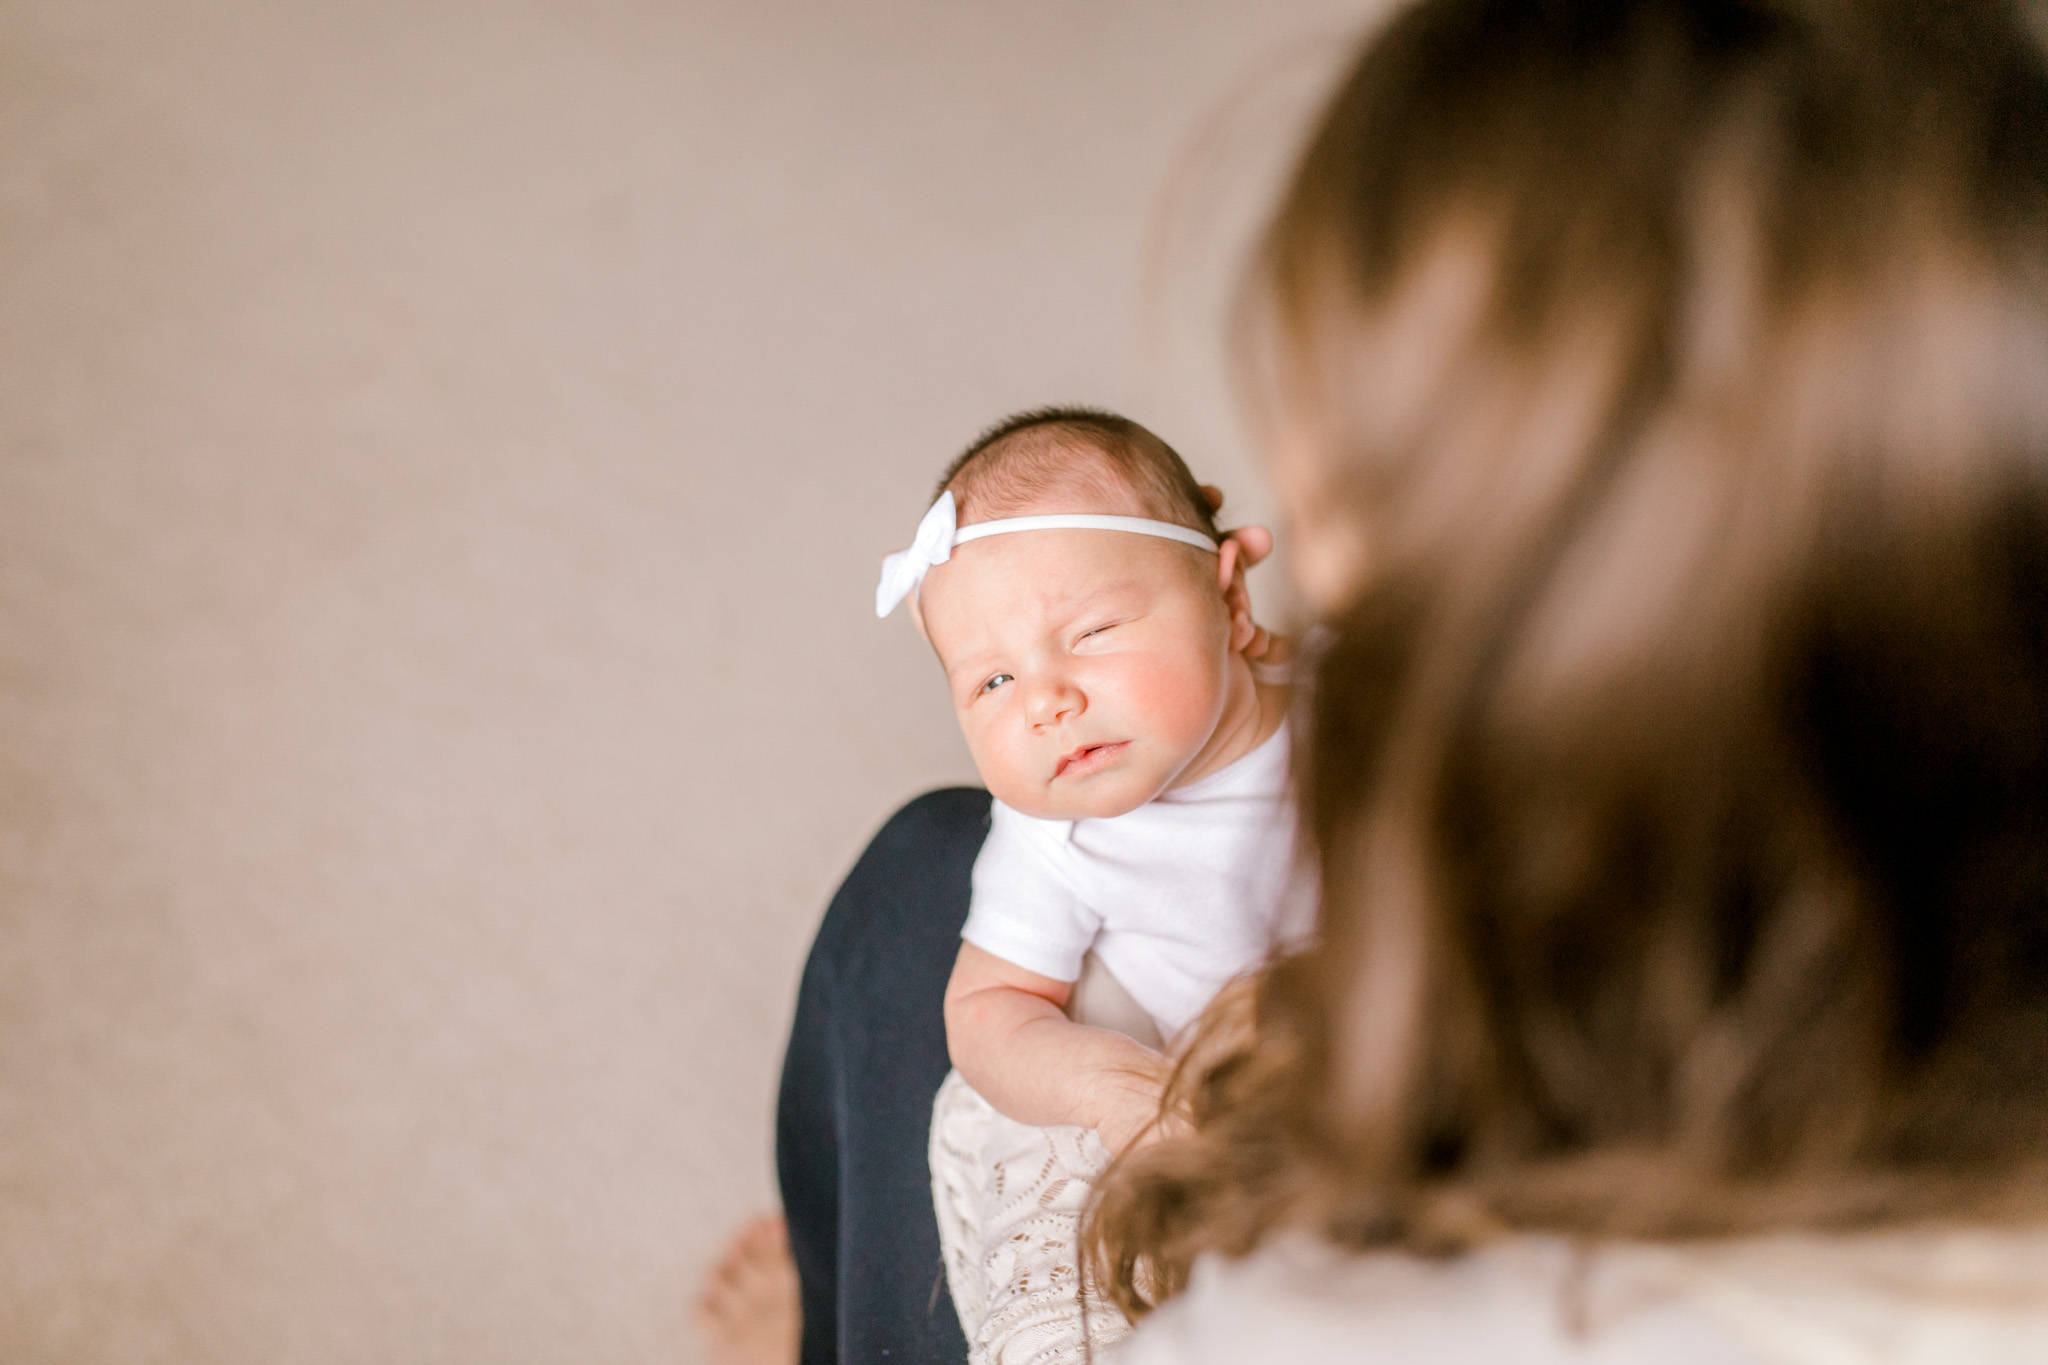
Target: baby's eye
{"type": "Point", "coordinates": [997, 681]}
{"type": "Point", "coordinates": [1090, 634]}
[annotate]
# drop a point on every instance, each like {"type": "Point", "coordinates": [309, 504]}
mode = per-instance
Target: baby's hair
{"type": "Point", "coordinates": [1020, 460]}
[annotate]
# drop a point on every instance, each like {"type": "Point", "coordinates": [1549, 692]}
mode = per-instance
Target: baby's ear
{"type": "Point", "coordinates": [1240, 550]}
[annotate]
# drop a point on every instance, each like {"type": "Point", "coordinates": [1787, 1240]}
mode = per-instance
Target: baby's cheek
{"type": "Point", "coordinates": [1176, 700]}
{"type": "Point", "coordinates": [1002, 770]}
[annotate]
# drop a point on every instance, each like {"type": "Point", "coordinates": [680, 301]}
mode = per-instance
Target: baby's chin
{"type": "Point", "coordinates": [1092, 799]}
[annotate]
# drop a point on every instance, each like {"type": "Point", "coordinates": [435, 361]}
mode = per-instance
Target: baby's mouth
{"type": "Point", "coordinates": [1089, 758]}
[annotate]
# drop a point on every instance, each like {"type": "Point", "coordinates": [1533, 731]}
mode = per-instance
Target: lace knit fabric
{"type": "Point", "coordinates": [1009, 1199]}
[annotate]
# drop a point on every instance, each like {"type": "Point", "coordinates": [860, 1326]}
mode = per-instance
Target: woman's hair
{"type": "Point", "coordinates": [1678, 774]}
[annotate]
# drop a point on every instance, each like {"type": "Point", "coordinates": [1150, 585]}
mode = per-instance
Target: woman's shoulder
{"type": "Point", "coordinates": [1537, 1300]}
{"type": "Point", "coordinates": [1301, 1301]}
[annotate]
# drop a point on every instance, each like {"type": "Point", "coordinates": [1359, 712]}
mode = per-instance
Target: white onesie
{"type": "Point", "coordinates": [1175, 897]}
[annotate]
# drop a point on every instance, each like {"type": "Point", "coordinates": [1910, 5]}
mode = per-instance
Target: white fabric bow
{"type": "Point", "coordinates": [933, 544]}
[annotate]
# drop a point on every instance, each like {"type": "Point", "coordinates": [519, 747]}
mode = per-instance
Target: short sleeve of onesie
{"type": "Point", "coordinates": [1025, 908]}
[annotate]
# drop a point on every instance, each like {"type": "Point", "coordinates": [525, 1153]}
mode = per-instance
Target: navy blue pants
{"type": "Point", "coordinates": [866, 1056]}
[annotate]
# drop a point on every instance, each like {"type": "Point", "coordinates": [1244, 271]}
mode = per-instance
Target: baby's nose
{"type": "Point", "coordinates": [1055, 700]}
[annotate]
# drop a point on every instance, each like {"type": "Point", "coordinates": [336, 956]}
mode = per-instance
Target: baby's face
{"type": "Point", "coordinates": [1088, 668]}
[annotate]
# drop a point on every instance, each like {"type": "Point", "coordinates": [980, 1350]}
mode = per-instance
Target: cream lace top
{"type": "Point", "coordinates": [1009, 1199]}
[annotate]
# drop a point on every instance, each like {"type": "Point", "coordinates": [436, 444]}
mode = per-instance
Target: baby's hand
{"type": "Point", "coordinates": [1127, 1111]}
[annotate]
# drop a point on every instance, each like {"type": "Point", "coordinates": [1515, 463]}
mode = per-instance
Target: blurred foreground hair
{"type": "Point", "coordinates": [1679, 770]}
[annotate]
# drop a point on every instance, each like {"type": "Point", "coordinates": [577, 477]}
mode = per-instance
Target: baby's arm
{"type": "Point", "coordinates": [1010, 1041]}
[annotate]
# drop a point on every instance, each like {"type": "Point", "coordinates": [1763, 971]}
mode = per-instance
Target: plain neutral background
{"type": "Point", "coordinates": [444, 454]}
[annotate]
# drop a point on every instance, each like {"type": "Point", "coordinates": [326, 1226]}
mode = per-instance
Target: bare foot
{"type": "Point", "coordinates": [748, 1312]}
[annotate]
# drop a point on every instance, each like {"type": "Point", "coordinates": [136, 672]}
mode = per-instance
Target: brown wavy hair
{"type": "Point", "coordinates": [1677, 772]}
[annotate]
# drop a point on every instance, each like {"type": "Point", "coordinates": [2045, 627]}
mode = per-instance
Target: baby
{"type": "Point", "coordinates": [1099, 648]}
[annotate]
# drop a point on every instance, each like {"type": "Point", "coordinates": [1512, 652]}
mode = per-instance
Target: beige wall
{"type": "Point", "coordinates": [443, 456]}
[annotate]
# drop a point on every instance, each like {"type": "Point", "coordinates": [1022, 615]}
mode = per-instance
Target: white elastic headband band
{"type": "Point", "coordinates": [939, 532]}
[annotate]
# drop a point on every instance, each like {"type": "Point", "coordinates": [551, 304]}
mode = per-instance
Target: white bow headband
{"type": "Point", "coordinates": [939, 532]}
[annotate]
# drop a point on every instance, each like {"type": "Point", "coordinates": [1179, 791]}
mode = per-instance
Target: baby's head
{"type": "Point", "coordinates": [1025, 464]}
{"type": "Point", "coordinates": [1091, 670]}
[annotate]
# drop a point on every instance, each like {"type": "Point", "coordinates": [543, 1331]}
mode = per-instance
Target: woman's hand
{"type": "Point", "coordinates": [1254, 543]}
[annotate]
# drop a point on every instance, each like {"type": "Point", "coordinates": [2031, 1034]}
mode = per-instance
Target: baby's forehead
{"type": "Point", "coordinates": [1037, 578]}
